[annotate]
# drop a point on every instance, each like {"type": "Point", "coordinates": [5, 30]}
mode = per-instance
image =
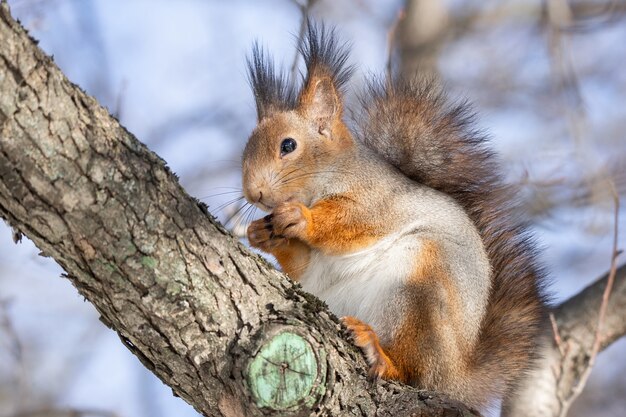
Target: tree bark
{"type": "Point", "coordinates": [223, 328]}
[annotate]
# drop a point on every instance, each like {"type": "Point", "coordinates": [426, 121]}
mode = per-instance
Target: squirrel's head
{"type": "Point", "coordinates": [294, 148]}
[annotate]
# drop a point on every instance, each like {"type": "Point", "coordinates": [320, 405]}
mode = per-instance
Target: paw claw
{"type": "Point", "coordinates": [286, 222]}
{"type": "Point", "coordinates": [261, 235]}
{"type": "Point", "coordinates": [366, 339]}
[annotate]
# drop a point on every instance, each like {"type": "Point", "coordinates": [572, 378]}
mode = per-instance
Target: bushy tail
{"type": "Point", "coordinates": [433, 141]}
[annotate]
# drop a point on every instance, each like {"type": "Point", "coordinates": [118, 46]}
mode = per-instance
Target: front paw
{"type": "Point", "coordinates": [290, 219]}
{"type": "Point", "coordinates": [261, 235]}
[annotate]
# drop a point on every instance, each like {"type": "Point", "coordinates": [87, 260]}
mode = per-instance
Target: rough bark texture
{"type": "Point", "coordinates": [548, 387]}
{"type": "Point", "coordinates": [185, 297]}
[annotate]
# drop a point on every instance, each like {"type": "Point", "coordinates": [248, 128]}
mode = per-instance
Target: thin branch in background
{"type": "Point", "coordinates": [391, 40]}
{"type": "Point", "coordinates": [544, 196]}
{"type": "Point", "coordinates": [16, 350]}
{"type": "Point", "coordinates": [611, 280]}
{"type": "Point", "coordinates": [557, 335]}
{"type": "Point", "coordinates": [305, 8]}
{"type": "Point", "coordinates": [12, 339]}
{"type": "Point", "coordinates": [584, 376]}
{"type": "Point", "coordinates": [587, 17]}
{"type": "Point", "coordinates": [559, 14]}
{"type": "Point", "coordinates": [564, 348]}
{"type": "Point", "coordinates": [51, 412]}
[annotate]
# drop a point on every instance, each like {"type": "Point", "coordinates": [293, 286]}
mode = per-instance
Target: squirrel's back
{"type": "Point", "coordinates": [414, 127]}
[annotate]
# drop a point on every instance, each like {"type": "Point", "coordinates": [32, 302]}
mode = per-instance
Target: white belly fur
{"type": "Point", "coordinates": [358, 284]}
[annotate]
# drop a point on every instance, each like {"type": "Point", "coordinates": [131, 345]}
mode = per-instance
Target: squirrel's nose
{"type": "Point", "coordinates": [258, 195]}
{"type": "Point", "coordinates": [255, 196]}
{"type": "Point", "coordinates": [264, 200]}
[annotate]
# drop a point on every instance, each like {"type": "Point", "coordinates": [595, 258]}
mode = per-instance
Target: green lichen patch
{"type": "Point", "coordinates": [149, 262]}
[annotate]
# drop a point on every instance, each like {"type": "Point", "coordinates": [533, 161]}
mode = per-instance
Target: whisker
{"type": "Point", "coordinates": [227, 188]}
{"type": "Point", "coordinates": [219, 194]}
{"type": "Point", "coordinates": [289, 173]}
{"type": "Point", "coordinates": [231, 162]}
{"type": "Point", "coordinates": [296, 169]}
{"type": "Point", "coordinates": [302, 167]}
{"type": "Point", "coordinates": [251, 216]}
{"type": "Point", "coordinates": [308, 174]}
{"type": "Point", "coordinates": [240, 222]}
{"type": "Point", "coordinates": [232, 216]}
{"type": "Point", "coordinates": [226, 204]}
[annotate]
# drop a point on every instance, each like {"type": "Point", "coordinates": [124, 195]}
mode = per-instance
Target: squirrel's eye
{"type": "Point", "coordinates": [287, 146]}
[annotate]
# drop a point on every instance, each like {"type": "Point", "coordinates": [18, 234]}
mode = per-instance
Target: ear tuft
{"type": "Point", "coordinates": [272, 90]}
{"type": "Point", "coordinates": [327, 72]}
{"type": "Point", "coordinates": [324, 55]}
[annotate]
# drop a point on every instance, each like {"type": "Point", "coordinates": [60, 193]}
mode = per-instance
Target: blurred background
{"type": "Point", "coordinates": [547, 78]}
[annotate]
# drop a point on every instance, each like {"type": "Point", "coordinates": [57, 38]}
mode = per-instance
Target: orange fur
{"type": "Point", "coordinates": [292, 254]}
{"type": "Point", "coordinates": [415, 353]}
{"type": "Point", "coordinates": [335, 228]}
{"type": "Point", "coordinates": [293, 257]}
{"type": "Point", "coordinates": [331, 225]}
{"type": "Point", "coordinates": [381, 366]}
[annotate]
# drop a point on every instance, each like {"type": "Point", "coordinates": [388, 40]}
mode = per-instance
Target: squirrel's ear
{"type": "Point", "coordinates": [320, 101]}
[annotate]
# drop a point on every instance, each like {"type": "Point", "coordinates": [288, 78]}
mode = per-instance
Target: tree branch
{"type": "Point", "coordinates": [229, 334]}
{"type": "Point", "coordinates": [578, 316]}
{"type": "Point", "coordinates": [563, 363]}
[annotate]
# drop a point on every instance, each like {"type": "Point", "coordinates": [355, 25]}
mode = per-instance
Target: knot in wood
{"type": "Point", "coordinates": [286, 373]}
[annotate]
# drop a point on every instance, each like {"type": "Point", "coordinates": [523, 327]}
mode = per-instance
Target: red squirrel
{"type": "Point", "coordinates": [402, 225]}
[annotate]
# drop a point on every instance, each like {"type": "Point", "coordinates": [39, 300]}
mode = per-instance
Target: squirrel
{"type": "Point", "coordinates": [402, 224]}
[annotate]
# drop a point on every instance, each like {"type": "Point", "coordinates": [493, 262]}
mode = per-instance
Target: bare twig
{"type": "Point", "coordinates": [16, 349]}
{"type": "Point", "coordinates": [542, 197]}
{"type": "Point", "coordinates": [587, 17]}
{"type": "Point", "coordinates": [577, 389]}
{"type": "Point", "coordinates": [391, 40]}
{"type": "Point", "coordinates": [13, 340]}
{"type": "Point", "coordinates": [305, 8]}
{"type": "Point", "coordinates": [610, 281]}
{"type": "Point", "coordinates": [51, 412]}
{"type": "Point", "coordinates": [559, 14]}
{"type": "Point", "coordinates": [557, 335]}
